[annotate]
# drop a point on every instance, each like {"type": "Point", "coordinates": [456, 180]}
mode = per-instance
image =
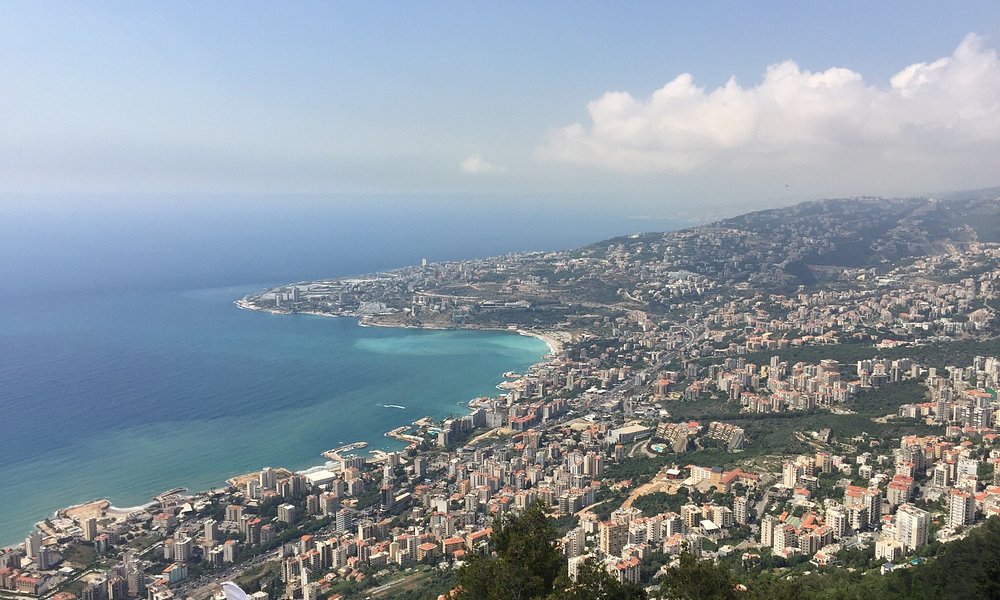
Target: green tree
{"type": "Point", "coordinates": [524, 565]}
{"type": "Point", "coordinates": [694, 579]}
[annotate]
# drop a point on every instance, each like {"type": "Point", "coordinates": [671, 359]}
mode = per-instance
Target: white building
{"type": "Point", "coordinates": [912, 526]}
{"type": "Point", "coordinates": [961, 508]}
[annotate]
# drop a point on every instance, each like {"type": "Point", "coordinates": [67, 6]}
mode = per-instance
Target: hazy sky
{"type": "Point", "coordinates": [651, 102]}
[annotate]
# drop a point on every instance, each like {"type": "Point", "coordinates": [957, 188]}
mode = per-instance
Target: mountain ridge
{"type": "Point", "coordinates": [804, 243]}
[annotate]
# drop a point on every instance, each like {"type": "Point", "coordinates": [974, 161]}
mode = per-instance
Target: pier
{"type": "Point", "coordinates": [397, 434]}
{"type": "Point", "coordinates": [336, 452]}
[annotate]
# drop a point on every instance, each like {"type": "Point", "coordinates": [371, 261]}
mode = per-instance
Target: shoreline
{"type": "Point", "coordinates": [553, 345]}
{"type": "Point", "coordinates": [548, 337]}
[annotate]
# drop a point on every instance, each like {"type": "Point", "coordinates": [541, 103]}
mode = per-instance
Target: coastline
{"type": "Point", "coordinates": [555, 346]}
{"type": "Point", "coordinates": [548, 337]}
{"type": "Point", "coordinates": [105, 507]}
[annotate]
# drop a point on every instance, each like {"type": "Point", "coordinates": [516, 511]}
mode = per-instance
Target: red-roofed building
{"type": "Point", "coordinates": [426, 550]}
{"type": "Point", "coordinates": [453, 544]}
{"type": "Point", "coordinates": [625, 571]}
{"type": "Point", "coordinates": [899, 490]}
{"type": "Point", "coordinates": [476, 538]}
{"type": "Point", "coordinates": [26, 584]}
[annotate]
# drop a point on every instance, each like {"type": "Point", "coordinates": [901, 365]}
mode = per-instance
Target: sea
{"type": "Point", "coordinates": [126, 369]}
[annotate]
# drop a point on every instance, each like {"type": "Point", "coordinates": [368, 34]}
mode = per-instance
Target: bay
{"type": "Point", "coordinates": [126, 370]}
{"type": "Point", "coordinates": [127, 395]}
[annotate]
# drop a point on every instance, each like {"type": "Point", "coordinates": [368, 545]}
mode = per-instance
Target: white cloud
{"type": "Point", "coordinates": [475, 165]}
{"type": "Point", "coordinates": [796, 118]}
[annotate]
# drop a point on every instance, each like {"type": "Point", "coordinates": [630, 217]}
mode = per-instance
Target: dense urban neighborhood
{"type": "Point", "coordinates": [801, 391]}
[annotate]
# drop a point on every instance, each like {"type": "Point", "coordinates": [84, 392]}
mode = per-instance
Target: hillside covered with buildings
{"type": "Point", "coordinates": [808, 391]}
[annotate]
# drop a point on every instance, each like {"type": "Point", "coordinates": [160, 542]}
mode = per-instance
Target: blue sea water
{"type": "Point", "coordinates": [125, 368]}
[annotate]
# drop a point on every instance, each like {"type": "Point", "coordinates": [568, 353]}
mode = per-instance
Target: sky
{"type": "Point", "coordinates": [642, 104]}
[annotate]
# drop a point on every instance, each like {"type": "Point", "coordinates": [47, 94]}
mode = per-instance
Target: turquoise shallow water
{"type": "Point", "coordinates": [126, 370]}
{"type": "Point", "coordinates": [126, 395]}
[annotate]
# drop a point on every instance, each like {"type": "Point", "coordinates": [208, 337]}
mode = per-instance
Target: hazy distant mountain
{"type": "Point", "coordinates": [808, 242]}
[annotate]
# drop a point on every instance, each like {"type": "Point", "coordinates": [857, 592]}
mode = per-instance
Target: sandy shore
{"type": "Point", "coordinates": [555, 346]}
{"type": "Point", "coordinates": [81, 512]}
{"type": "Point", "coordinates": [240, 481]}
{"type": "Point", "coordinates": [115, 511]}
